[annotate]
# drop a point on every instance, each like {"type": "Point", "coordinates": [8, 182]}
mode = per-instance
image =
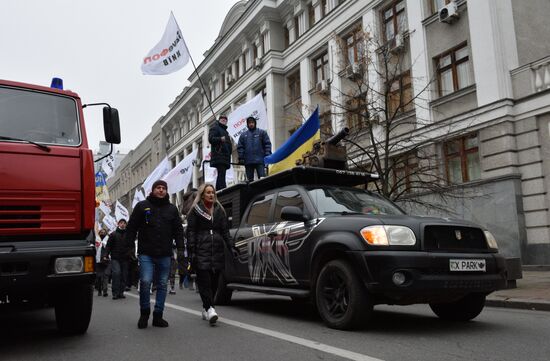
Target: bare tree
{"type": "Point", "coordinates": [377, 102]}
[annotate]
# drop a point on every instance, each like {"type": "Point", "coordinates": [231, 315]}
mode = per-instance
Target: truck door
{"type": "Point", "coordinates": [290, 237]}
{"type": "Point", "coordinates": [250, 240]}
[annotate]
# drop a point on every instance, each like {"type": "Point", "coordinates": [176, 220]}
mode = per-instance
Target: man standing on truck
{"type": "Point", "coordinates": [157, 223]}
{"type": "Point", "coordinates": [253, 146]}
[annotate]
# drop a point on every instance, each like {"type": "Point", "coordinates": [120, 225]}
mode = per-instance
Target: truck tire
{"type": "Point", "coordinates": [341, 298]}
{"type": "Point", "coordinates": [464, 309]}
{"type": "Point", "coordinates": [223, 294]}
{"type": "Point", "coordinates": [73, 310]}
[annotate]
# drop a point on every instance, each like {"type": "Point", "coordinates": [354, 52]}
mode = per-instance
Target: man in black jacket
{"type": "Point", "coordinates": [157, 223]}
{"type": "Point", "coordinates": [119, 249]}
{"type": "Point", "coordinates": [221, 149]}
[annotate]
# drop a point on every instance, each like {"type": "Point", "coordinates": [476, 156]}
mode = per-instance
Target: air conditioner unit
{"type": "Point", "coordinates": [354, 71]}
{"type": "Point", "coordinates": [449, 13]}
{"type": "Point", "coordinates": [323, 87]}
{"type": "Point", "coordinates": [398, 43]}
{"type": "Point", "coordinates": [257, 63]}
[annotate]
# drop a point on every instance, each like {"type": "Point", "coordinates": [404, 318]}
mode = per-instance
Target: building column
{"type": "Point", "coordinates": [335, 66]}
{"type": "Point", "coordinates": [494, 48]}
{"type": "Point", "coordinates": [420, 72]}
{"type": "Point", "coordinates": [195, 180]}
{"type": "Point", "coordinates": [305, 86]}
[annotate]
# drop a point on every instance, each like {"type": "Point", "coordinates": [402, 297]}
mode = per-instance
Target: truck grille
{"type": "Point", "coordinates": [19, 217]}
{"type": "Point", "coordinates": [454, 238]}
{"type": "Point", "coordinates": [39, 212]}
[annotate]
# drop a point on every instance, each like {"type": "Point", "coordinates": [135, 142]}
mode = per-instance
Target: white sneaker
{"type": "Point", "coordinates": [211, 315]}
{"type": "Point", "coordinates": [204, 314]}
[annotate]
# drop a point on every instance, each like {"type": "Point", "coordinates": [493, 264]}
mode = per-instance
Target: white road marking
{"type": "Point", "coordinates": [281, 336]}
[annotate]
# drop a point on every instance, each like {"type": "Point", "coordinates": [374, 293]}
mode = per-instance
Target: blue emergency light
{"type": "Point", "coordinates": [57, 83]}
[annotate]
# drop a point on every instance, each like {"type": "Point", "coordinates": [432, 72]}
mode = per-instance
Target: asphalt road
{"type": "Point", "coordinates": [259, 327]}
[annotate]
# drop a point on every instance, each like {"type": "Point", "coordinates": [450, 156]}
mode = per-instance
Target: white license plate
{"type": "Point", "coordinates": [472, 265]}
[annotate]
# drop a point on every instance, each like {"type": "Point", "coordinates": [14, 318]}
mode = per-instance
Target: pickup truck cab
{"type": "Point", "coordinates": [313, 233]}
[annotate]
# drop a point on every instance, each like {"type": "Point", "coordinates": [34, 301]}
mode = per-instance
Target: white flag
{"type": "Point", "coordinates": [180, 177]}
{"type": "Point", "coordinates": [104, 208]}
{"type": "Point", "coordinates": [108, 165]}
{"type": "Point", "coordinates": [121, 212]}
{"type": "Point", "coordinates": [170, 54]}
{"type": "Point", "coordinates": [159, 172]}
{"type": "Point", "coordinates": [211, 173]}
{"type": "Point", "coordinates": [236, 121]}
{"type": "Point", "coordinates": [110, 222]}
{"type": "Point", "coordinates": [138, 197]}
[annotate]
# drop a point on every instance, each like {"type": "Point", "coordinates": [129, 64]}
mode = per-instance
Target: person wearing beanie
{"type": "Point", "coordinates": [253, 146]}
{"type": "Point", "coordinates": [119, 249]}
{"type": "Point", "coordinates": [221, 149]}
{"type": "Point", "coordinates": [156, 223]}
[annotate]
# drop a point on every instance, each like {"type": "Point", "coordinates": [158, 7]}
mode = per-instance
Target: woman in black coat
{"type": "Point", "coordinates": [221, 149]}
{"type": "Point", "coordinates": [207, 236]}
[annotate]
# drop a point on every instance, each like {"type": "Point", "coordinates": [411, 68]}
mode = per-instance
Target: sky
{"type": "Point", "coordinates": [96, 47]}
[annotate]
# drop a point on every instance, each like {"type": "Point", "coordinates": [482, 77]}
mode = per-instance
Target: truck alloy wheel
{"type": "Point", "coordinates": [464, 309]}
{"type": "Point", "coordinates": [341, 299]}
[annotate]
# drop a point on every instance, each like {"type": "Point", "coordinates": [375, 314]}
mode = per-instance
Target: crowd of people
{"type": "Point", "coordinates": [152, 245]}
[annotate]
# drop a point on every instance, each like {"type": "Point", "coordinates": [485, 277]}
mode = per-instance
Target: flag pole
{"type": "Point", "coordinates": [196, 71]}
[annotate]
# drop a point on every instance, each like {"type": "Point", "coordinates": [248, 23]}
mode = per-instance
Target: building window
{"type": "Point", "coordinates": [294, 86]}
{"type": "Point", "coordinates": [286, 35]}
{"type": "Point", "coordinates": [320, 68]}
{"type": "Point", "coordinates": [462, 159]}
{"type": "Point", "coordinates": [400, 95]}
{"type": "Point", "coordinates": [356, 115]}
{"type": "Point", "coordinates": [439, 4]}
{"type": "Point", "coordinates": [453, 70]}
{"type": "Point", "coordinates": [394, 19]}
{"type": "Point", "coordinates": [324, 8]}
{"type": "Point", "coordinates": [326, 125]}
{"type": "Point", "coordinates": [311, 15]}
{"type": "Point", "coordinates": [355, 46]}
{"type": "Point", "coordinates": [297, 26]}
{"type": "Point", "coordinates": [404, 169]}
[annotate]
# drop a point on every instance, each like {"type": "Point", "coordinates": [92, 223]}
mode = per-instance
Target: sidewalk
{"type": "Point", "coordinates": [532, 292]}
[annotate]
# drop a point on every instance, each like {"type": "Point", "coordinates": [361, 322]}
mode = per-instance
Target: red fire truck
{"type": "Point", "coordinates": [47, 201]}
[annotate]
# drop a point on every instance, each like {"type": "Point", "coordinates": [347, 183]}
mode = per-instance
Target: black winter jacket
{"type": "Point", "coordinates": [207, 236]}
{"type": "Point", "coordinates": [221, 151]}
{"type": "Point", "coordinates": [118, 246]}
{"type": "Point", "coordinates": [157, 223]}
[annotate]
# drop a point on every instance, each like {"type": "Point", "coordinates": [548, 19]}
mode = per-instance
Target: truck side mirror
{"type": "Point", "coordinates": [111, 125]}
{"type": "Point", "coordinates": [293, 213]}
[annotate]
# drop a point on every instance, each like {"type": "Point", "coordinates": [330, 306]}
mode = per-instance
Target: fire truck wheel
{"type": "Point", "coordinates": [341, 298]}
{"type": "Point", "coordinates": [73, 310]}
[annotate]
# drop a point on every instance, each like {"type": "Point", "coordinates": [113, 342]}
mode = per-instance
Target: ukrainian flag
{"type": "Point", "coordinates": [300, 142]}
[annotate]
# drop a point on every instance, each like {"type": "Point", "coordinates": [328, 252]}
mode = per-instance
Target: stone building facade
{"type": "Point", "coordinates": [478, 71]}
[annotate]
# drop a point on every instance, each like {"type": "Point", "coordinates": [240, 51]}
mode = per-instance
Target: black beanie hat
{"type": "Point", "coordinates": [160, 182]}
{"type": "Point", "coordinates": [251, 119]}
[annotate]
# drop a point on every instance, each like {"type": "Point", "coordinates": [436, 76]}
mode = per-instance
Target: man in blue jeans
{"type": "Point", "coordinates": [156, 222]}
{"type": "Point", "coordinates": [253, 146]}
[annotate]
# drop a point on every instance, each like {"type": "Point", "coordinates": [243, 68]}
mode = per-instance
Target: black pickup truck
{"type": "Point", "coordinates": [315, 233]}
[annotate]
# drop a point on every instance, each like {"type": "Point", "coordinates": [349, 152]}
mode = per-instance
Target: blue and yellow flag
{"type": "Point", "coordinates": [300, 142]}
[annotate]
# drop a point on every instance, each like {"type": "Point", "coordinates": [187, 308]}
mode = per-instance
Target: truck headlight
{"type": "Point", "coordinates": [69, 265]}
{"type": "Point", "coordinates": [388, 236]}
{"type": "Point", "coordinates": [491, 240]}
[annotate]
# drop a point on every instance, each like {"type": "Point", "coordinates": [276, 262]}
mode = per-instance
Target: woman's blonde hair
{"type": "Point", "coordinates": [200, 193]}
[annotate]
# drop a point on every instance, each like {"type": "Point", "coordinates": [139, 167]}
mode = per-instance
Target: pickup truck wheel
{"type": "Point", "coordinates": [223, 294]}
{"type": "Point", "coordinates": [73, 309]}
{"type": "Point", "coordinates": [340, 296]}
{"type": "Point", "coordinates": [464, 309]}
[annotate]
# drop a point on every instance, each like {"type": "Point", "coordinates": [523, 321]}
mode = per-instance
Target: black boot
{"type": "Point", "coordinates": [144, 318]}
{"type": "Point", "coordinates": [158, 321]}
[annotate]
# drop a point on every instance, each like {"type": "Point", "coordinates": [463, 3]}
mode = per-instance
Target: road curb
{"type": "Point", "coordinates": [522, 304]}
